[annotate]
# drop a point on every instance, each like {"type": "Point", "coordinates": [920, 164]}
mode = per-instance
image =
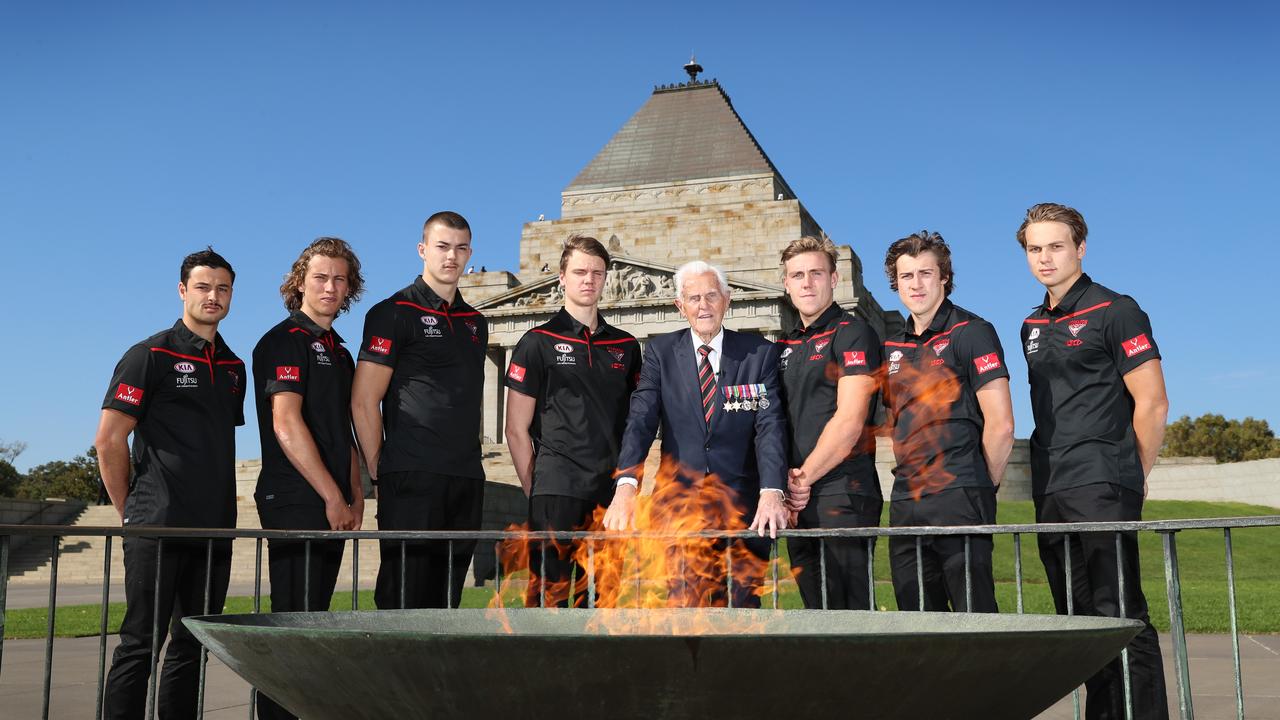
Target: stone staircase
{"type": "Point", "coordinates": [80, 559]}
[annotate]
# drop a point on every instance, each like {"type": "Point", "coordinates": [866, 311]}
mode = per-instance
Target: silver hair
{"type": "Point", "coordinates": [698, 267]}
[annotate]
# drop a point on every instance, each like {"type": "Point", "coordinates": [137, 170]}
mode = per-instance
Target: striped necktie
{"type": "Point", "coordinates": [707, 383]}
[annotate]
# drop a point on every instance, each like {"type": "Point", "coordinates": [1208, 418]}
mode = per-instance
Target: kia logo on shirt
{"type": "Point", "coordinates": [564, 347]}
{"type": "Point", "coordinates": [184, 367]}
{"type": "Point", "coordinates": [317, 347]}
{"type": "Point", "coordinates": [987, 363]}
{"type": "Point", "coordinates": [429, 320]}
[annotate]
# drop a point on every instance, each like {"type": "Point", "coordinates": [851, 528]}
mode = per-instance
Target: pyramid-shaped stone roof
{"type": "Point", "coordinates": [683, 132]}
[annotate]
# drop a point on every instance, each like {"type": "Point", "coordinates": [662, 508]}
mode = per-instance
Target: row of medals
{"type": "Point", "coordinates": [752, 404]}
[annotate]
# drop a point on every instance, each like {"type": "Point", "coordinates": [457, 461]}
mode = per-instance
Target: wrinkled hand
{"type": "Point", "coordinates": [771, 513]}
{"type": "Point", "coordinates": [339, 514]}
{"type": "Point", "coordinates": [621, 512]}
{"type": "Point", "coordinates": [797, 491]}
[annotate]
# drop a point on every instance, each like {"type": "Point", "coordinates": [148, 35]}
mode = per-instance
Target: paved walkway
{"type": "Point", "coordinates": [75, 668]}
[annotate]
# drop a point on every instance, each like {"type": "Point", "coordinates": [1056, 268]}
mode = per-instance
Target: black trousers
{"type": "Point", "coordinates": [1095, 590]}
{"type": "Point", "coordinates": [942, 556]}
{"type": "Point", "coordinates": [426, 501]}
{"type": "Point", "coordinates": [552, 569]}
{"type": "Point", "coordinates": [846, 558]}
{"type": "Point", "coordinates": [291, 589]}
{"type": "Point", "coordinates": [182, 583]}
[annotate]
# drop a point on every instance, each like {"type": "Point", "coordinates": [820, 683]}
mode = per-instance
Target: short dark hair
{"type": "Point", "coordinates": [1053, 212]}
{"type": "Point", "coordinates": [333, 247]}
{"type": "Point", "coordinates": [913, 245]}
{"type": "Point", "coordinates": [204, 258]}
{"type": "Point", "coordinates": [583, 244]}
{"type": "Point", "coordinates": [449, 219]}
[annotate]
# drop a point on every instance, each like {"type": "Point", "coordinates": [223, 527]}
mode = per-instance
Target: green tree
{"type": "Point", "coordinates": [1216, 436]}
{"type": "Point", "coordinates": [75, 479]}
{"type": "Point", "coordinates": [10, 479]}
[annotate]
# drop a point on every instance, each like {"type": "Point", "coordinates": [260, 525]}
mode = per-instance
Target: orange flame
{"type": "Point", "coordinates": [933, 391]}
{"type": "Point", "coordinates": [666, 563]}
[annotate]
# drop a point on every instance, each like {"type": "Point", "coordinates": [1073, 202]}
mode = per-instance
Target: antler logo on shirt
{"type": "Point", "coordinates": [287, 373]}
{"type": "Point", "coordinates": [987, 363]}
{"type": "Point", "coordinates": [1136, 345]}
{"type": "Point", "coordinates": [380, 345]}
{"type": "Point", "coordinates": [129, 394]}
{"type": "Point", "coordinates": [515, 372]}
{"type": "Point", "coordinates": [854, 357]}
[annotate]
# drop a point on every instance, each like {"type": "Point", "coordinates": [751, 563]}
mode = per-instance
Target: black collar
{"type": "Point", "coordinates": [941, 321]}
{"type": "Point", "coordinates": [564, 321]}
{"type": "Point", "coordinates": [305, 322]}
{"type": "Point", "coordinates": [184, 336]}
{"type": "Point", "coordinates": [1070, 300]}
{"type": "Point", "coordinates": [429, 298]}
{"type": "Point", "coordinates": [828, 316]}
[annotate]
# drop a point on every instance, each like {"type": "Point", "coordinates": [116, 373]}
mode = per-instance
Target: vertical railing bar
{"type": "Point", "coordinates": [102, 629]}
{"type": "Point", "coordinates": [355, 574]}
{"type": "Point", "coordinates": [403, 573]}
{"type": "Point", "coordinates": [1124, 653]}
{"type": "Point", "coordinates": [968, 578]}
{"type": "Point", "coordinates": [920, 570]}
{"type": "Point", "coordinates": [728, 572]}
{"type": "Point", "coordinates": [591, 574]}
{"type": "Point", "coordinates": [257, 608]}
{"type": "Point", "coordinates": [497, 571]}
{"type": "Point", "coordinates": [1066, 552]}
{"type": "Point", "coordinates": [204, 652]}
{"type": "Point", "coordinates": [4, 589]}
{"type": "Point", "coordinates": [636, 569]}
{"type": "Point", "coordinates": [775, 559]}
{"type": "Point", "coordinates": [51, 616]}
{"type": "Point", "coordinates": [1173, 587]}
{"type": "Point", "coordinates": [306, 575]}
{"type": "Point", "coordinates": [871, 573]}
{"type": "Point", "coordinates": [1235, 634]}
{"type": "Point", "coordinates": [155, 632]}
{"type": "Point", "coordinates": [822, 570]}
{"type": "Point", "coordinates": [448, 592]}
{"type": "Point", "coordinates": [542, 573]}
{"type": "Point", "coordinates": [1017, 567]}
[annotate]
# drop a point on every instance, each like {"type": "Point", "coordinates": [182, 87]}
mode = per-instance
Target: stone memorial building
{"type": "Point", "coordinates": [684, 179]}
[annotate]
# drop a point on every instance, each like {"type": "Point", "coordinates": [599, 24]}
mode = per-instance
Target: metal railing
{"type": "Point", "coordinates": [1167, 529]}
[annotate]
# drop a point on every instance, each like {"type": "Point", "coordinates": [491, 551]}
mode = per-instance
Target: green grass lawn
{"type": "Point", "coordinates": [1201, 557]}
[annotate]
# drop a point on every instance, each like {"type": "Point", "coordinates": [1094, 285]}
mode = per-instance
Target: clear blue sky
{"type": "Point", "coordinates": [132, 133]}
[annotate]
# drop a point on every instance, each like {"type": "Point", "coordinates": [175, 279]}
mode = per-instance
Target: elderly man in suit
{"type": "Point", "coordinates": [715, 394]}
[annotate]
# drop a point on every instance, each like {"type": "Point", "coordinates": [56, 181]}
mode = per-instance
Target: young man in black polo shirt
{"type": "Point", "coordinates": [310, 477]}
{"type": "Point", "coordinates": [828, 365]}
{"type": "Point", "coordinates": [947, 391]}
{"type": "Point", "coordinates": [1098, 396]}
{"type": "Point", "coordinates": [568, 387]}
{"type": "Point", "coordinates": [181, 393]}
{"type": "Point", "coordinates": [416, 403]}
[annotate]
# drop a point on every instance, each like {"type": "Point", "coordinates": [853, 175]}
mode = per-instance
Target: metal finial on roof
{"type": "Point", "coordinates": [693, 68]}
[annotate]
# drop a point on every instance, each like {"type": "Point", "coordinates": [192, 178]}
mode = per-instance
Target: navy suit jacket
{"type": "Point", "coordinates": [745, 449]}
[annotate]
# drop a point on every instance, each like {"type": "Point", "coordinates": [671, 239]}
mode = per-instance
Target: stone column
{"type": "Point", "coordinates": [494, 394]}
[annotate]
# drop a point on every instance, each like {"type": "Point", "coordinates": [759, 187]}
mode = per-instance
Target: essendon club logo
{"type": "Point", "coordinates": [818, 346]}
{"type": "Point", "coordinates": [515, 372]}
{"type": "Point", "coordinates": [617, 353]}
{"type": "Point", "coordinates": [129, 394]}
{"type": "Point", "coordinates": [288, 373]}
{"type": "Point", "coordinates": [1136, 345]}
{"type": "Point", "coordinates": [1075, 326]}
{"type": "Point", "coordinates": [987, 363]}
{"type": "Point", "coordinates": [941, 345]}
{"type": "Point", "coordinates": [380, 345]}
{"type": "Point", "coordinates": [471, 325]}
{"type": "Point", "coordinates": [854, 357]}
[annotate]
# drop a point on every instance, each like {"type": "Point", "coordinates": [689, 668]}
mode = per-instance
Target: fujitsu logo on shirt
{"type": "Point", "coordinates": [380, 345]}
{"type": "Point", "coordinates": [1075, 326]}
{"type": "Point", "coordinates": [1136, 345]}
{"type": "Point", "coordinates": [515, 372]}
{"type": "Point", "coordinates": [129, 394]}
{"type": "Point", "coordinates": [987, 363]}
{"type": "Point", "coordinates": [288, 373]}
{"type": "Point", "coordinates": [854, 357]}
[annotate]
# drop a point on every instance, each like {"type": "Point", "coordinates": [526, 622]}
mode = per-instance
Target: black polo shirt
{"type": "Point", "coordinates": [188, 397]}
{"type": "Point", "coordinates": [431, 412]}
{"type": "Point", "coordinates": [298, 356]}
{"type": "Point", "coordinates": [931, 387]}
{"type": "Point", "coordinates": [811, 362]}
{"type": "Point", "coordinates": [1077, 356]}
{"type": "Point", "coordinates": [582, 382]}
